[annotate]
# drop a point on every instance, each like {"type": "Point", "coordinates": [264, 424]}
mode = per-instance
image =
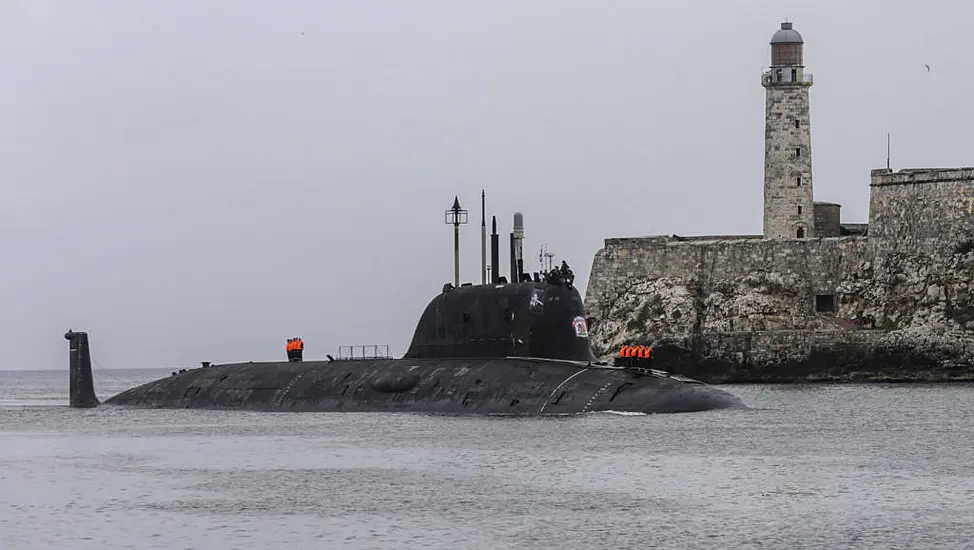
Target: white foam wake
{"type": "Point", "coordinates": [625, 413]}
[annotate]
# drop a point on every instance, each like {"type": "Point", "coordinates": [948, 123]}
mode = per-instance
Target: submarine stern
{"type": "Point", "coordinates": [81, 382]}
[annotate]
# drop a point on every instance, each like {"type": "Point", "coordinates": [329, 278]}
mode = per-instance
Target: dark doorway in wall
{"type": "Point", "coordinates": [801, 232]}
{"type": "Point", "coordinates": [825, 303]}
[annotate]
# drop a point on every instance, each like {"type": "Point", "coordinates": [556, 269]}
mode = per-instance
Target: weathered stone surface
{"type": "Point", "coordinates": [727, 310]}
{"type": "Point", "coordinates": [788, 205]}
{"type": "Point", "coordinates": [828, 221]}
{"type": "Point", "coordinates": [922, 205]}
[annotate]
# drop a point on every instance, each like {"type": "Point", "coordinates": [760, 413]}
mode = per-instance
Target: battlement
{"type": "Point", "coordinates": [884, 176]}
{"type": "Point", "coordinates": [662, 240]}
{"type": "Point", "coordinates": [921, 204]}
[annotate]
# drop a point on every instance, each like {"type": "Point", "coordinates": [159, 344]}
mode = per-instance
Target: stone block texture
{"type": "Point", "coordinates": [827, 220]}
{"type": "Point", "coordinates": [788, 204]}
{"type": "Point", "coordinates": [922, 205]}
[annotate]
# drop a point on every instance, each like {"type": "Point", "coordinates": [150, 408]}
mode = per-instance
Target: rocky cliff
{"type": "Point", "coordinates": [900, 315]}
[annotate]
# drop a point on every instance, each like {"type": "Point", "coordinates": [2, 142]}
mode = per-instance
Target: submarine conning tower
{"type": "Point", "coordinates": [543, 319]}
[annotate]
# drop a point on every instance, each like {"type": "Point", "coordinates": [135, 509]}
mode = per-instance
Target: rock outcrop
{"type": "Point", "coordinates": [896, 316]}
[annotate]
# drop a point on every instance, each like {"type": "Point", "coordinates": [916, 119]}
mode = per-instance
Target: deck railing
{"type": "Point", "coordinates": [370, 351]}
{"type": "Point", "coordinates": [802, 78]}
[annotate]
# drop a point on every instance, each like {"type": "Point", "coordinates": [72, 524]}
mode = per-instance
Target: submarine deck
{"type": "Point", "coordinates": [514, 385]}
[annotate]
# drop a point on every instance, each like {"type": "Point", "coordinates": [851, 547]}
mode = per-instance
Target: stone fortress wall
{"type": "Point", "coordinates": [807, 267]}
{"type": "Point", "coordinates": [911, 206]}
{"type": "Point", "coordinates": [891, 299]}
{"type": "Point", "coordinates": [747, 301]}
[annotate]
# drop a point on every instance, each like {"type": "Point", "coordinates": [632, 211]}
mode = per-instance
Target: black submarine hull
{"type": "Point", "coordinates": [506, 348]}
{"type": "Point", "coordinates": [514, 386]}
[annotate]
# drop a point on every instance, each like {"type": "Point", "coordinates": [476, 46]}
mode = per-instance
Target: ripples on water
{"type": "Point", "coordinates": [807, 467]}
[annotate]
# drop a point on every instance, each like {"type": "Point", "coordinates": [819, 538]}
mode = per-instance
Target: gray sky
{"type": "Point", "coordinates": [199, 180]}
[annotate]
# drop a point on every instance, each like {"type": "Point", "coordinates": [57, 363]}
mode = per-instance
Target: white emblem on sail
{"type": "Point", "coordinates": [581, 329]}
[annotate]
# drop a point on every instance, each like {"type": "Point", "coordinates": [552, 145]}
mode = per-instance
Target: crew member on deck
{"type": "Point", "coordinates": [295, 349]}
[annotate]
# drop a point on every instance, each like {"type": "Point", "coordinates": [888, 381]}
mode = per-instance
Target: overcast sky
{"type": "Point", "coordinates": [199, 180]}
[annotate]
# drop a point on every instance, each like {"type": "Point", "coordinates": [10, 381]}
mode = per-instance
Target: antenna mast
{"type": "Point", "coordinates": [548, 256]}
{"type": "Point", "coordinates": [887, 150]}
{"type": "Point", "coordinates": [483, 237]}
{"type": "Point", "coordinates": [456, 217]}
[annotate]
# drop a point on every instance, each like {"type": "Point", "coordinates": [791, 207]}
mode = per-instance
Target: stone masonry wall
{"type": "Point", "coordinates": [912, 206]}
{"type": "Point", "coordinates": [790, 272]}
{"type": "Point", "coordinates": [828, 222]}
{"type": "Point", "coordinates": [744, 310]}
{"type": "Point", "coordinates": [787, 162]}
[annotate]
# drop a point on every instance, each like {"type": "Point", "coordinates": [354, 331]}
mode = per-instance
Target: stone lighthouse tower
{"type": "Point", "coordinates": [788, 204]}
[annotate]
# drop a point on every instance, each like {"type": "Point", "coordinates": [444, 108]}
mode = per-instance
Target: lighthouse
{"type": "Point", "coordinates": [788, 200]}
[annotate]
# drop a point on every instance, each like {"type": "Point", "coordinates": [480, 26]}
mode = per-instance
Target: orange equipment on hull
{"type": "Point", "coordinates": [634, 355]}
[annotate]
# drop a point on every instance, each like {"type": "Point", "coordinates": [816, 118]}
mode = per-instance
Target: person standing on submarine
{"type": "Point", "coordinates": [294, 349]}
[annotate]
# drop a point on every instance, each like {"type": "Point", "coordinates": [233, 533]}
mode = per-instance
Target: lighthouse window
{"type": "Point", "coordinates": [798, 151]}
{"type": "Point", "coordinates": [801, 233]}
{"type": "Point", "coordinates": [798, 181]}
{"type": "Point", "coordinates": [799, 210]}
{"type": "Point", "coordinates": [797, 123]}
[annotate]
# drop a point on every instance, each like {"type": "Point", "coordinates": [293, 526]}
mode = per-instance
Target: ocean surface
{"type": "Point", "coordinates": [814, 466]}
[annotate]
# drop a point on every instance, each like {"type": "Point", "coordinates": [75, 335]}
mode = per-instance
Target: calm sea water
{"type": "Point", "coordinates": [806, 467]}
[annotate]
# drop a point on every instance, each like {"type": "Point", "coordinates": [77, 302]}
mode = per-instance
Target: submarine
{"type": "Point", "coordinates": [496, 348]}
